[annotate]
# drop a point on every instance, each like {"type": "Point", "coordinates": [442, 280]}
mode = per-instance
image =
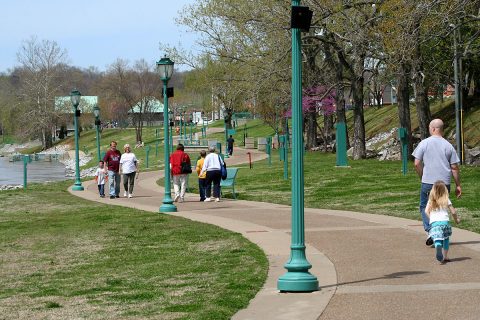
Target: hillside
{"type": "Point", "coordinates": [386, 118]}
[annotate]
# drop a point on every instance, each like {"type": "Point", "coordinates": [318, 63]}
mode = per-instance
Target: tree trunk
{"type": "Point", "coordinates": [421, 92]}
{"type": "Point", "coordinates": [311, 129]}
{"type": "Point", "coordinates": [422, 105]}
{"type": "Point", "coordinates": [328, 128]}
{"type": "Point", "coordinates": [340, 101]}
{"type": "Point", "coordinates": [359, 150]}
{"type": "Point", "coordinates": [403, 104]}
{"type": "Point", "coordinates": [139, 126]}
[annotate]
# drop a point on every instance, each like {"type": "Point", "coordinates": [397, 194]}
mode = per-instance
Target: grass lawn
{"type": "Point", "coordinates": [63, 257]}
{"type": "Point", "coordinates": [4, 139]}
{"type": "Point", "coordinates": [368, 186]}
{"type": "Point", "coordinates": [255, 128]}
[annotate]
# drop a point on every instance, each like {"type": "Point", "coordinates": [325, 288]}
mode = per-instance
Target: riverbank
{"type": "Point", "coordinates": [40, 171]}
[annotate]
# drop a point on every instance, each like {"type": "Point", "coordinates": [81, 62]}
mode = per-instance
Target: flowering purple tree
{"type": "Point", "coordinates": [317, 100]}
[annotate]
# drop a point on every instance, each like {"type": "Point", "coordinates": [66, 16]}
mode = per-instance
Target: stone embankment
{"type": "Point", "coordinates": [10, 187]}
{"type": "Point", "coordinates": [386, 146]}
{"type": "Point", "coordinates": [67, 157]}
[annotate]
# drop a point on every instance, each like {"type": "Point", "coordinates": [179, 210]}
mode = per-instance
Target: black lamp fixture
{"type": "Point", "coordinates": [301, 18]}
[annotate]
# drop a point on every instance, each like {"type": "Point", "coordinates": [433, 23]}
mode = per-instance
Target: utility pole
{"type": "Point", "coordinates": [458, 98]}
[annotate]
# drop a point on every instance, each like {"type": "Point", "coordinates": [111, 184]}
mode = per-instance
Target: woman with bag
{"type": "Point", "coordinates": [213, 167]}
{"type": "Point", "coordinates": [180, 167]}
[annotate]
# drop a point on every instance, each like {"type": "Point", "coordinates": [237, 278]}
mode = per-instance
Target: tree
{"type": "Point", "coordinates": [8, 116]}
{"type": "Point", "coordinates": [133, 86]}
{"type": "Point", "coordinates": [42, 66]}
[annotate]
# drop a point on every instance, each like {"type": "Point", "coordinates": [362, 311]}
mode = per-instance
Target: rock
{"type": "Point", "coordinates": [472, 156]}
{"type": "Point", "coordinates": [10, 187]}
{"type": "Point", "coordinates": [350, 152]}
{"type": "Point", "coordinates": [371, 153]}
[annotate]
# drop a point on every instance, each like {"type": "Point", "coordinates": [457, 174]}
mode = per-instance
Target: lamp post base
{"type": "Point", "coordinates": [77, 187]}
{"type": "Point", "coordinates": [167, 207]}
{"type": "Point", "coordinates": [297, 282]}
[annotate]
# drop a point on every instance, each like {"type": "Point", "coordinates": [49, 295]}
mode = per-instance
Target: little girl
{"type": "Point", "coordinates": [437, 211]}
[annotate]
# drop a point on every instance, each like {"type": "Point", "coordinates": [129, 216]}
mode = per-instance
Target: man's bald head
{"type": "Point", "coordinates": [436, 127]}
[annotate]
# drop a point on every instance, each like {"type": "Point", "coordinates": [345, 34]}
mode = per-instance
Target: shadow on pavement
{"type": "Point", "coordinates": [395, 275]}
{"type": "Point", "coordinates": [459, 259]}
{"type": "Point", "coordinates": [465, 242]}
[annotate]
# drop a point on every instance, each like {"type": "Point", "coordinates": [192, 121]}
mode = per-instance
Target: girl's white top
{"type": "Point", "coordinates": [100, 174]}
{"type": "Point", "coordinates": [440, 214]}
{"type": "Point", "coordinates": [128, 162]}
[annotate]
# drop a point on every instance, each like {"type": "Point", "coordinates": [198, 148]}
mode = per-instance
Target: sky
{"type": "Point", "coordinates": [94, 32]}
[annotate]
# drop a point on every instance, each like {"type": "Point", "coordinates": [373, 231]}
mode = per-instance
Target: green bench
{"type": "Point", "coordinates": [230, 181]}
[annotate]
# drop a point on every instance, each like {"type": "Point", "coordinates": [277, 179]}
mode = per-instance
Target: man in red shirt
{"type": "Point", "coordinates": [112, 164]}
{"type": "Point", "coordinates": [180, 172]}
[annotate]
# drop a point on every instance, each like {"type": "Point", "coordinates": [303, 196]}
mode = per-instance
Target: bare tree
{"type": "Point", "coordinates": [135, 88]}
{"type": "Point", "coordinates": [42, 63]}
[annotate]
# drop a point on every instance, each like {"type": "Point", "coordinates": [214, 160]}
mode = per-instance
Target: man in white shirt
{"type": "Point", "coordinates": [435, 159]}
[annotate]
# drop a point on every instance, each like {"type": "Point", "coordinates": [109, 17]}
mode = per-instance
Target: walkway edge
{"type": "Point", "coordinates": [268, 303]}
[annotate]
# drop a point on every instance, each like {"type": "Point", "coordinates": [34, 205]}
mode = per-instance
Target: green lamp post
{"type": "Point", "coordinates": [165, 68]}
{"type": "Point", "coordinates": [171, 116]}
{"type": "Point", "coordinates": [181, 122]}
{"type": "Point", "coordinates": [204, 133]}
{"type": "Point", "coordinates": [96, 113]}
{"type": "Point", "coordinates": [75, 99]}
{"type": "Point", "coordinates": [297, 278]}
{"type": "Point", "coordinates": [185, 124]}
{"type": "Point", "coordinates": [226, 138]}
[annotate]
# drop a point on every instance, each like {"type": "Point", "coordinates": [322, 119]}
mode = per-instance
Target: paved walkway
{"type": "Point", "coordinates": [368, 266]}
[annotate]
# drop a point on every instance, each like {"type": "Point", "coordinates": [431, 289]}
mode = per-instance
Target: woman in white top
{"type": "Point", "coordinates": [128, 167]}
{"type": "Point", "coordinates": [212, 165]}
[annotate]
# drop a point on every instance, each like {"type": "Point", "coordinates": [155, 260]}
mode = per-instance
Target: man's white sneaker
{"type": "Point", "coordinates": [207, 200]}
{"type": "Point", "coordinates": [125, 194]}
{"type": "Point", "coordinates": [176, 198]}
{"type": "Point", "coordinates": [217, 199]}
{"type": "Point", "coordinates": [130, 195]}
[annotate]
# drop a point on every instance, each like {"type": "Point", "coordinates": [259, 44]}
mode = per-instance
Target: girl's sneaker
{"type": "Point", "coordinates": [217, 199]}
{"type": "Point", "coordinates": [439, 253]}
{"type": "Point", "coordinates": [207, 200]}
{"type": "Point", "coordinates": [125, 194]}
{"type": "Point", "coordinates": [130, 195]}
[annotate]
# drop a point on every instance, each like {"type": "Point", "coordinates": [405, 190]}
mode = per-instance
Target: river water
{"type": "Point", "coordinates": [37, 171]}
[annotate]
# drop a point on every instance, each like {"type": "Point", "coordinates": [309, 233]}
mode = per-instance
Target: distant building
{"type": "Point", "coordinates": [149, 109]}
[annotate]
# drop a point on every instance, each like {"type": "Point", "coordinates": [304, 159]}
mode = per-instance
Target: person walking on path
{"type": "Point", "coordinates": [100, 178]}
{"type": "Point", "coordinates": [202, 177]}
{"type": "Point", "coordinates": [112, 165]}
{"type": "Point", "coordinates": [230, 142]}
{"type": "Point", "coordinates": [437, 211]}
{"type": "Point", "coordinates": [435, 159]}
{"type": "Point", "coordinates": [129, 168]}
{"type": "Point", "coordinates": [212, 167]}
{"type": "Point", "coordinates": [180, 167]}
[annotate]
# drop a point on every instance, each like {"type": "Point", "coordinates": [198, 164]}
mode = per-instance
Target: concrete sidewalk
{"type": "Point", "coordinates": [368, 266]}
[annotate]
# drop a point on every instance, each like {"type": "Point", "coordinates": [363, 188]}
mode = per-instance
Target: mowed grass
{"type": "Point", "coordinates": [369, 186]}
{"type": "Point", "coordinates": [254, 129]}
{"type": "Point", "coordinates": [63, 257]}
